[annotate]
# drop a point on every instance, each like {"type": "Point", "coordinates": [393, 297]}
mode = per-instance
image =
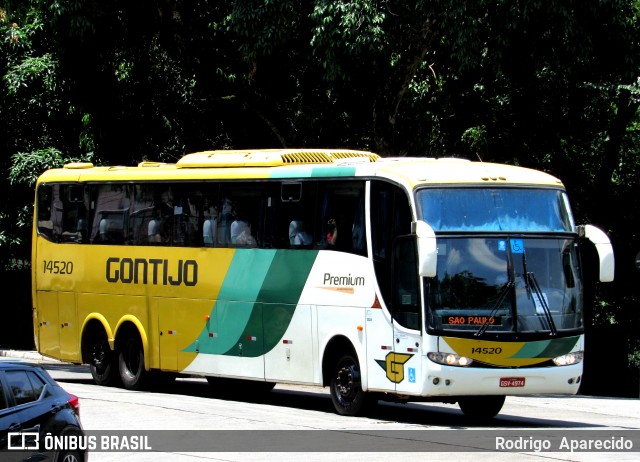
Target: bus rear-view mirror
{"type": "Point", "coordinates": [427, 249]}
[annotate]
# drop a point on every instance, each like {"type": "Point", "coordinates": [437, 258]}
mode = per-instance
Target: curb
{"type": "Point", "coordinates": [29, 355]}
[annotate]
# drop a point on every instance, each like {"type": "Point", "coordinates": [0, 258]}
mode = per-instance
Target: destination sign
{"type": "Point", "coordinates": [472, 320]}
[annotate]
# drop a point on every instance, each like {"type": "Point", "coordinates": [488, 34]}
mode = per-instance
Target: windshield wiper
{"type": "Point", "coordinates": [531, 281]}
{"type": "Point", "coordinates": [485, 325]}
{"type": "Point", "coordinates": [531, 284]}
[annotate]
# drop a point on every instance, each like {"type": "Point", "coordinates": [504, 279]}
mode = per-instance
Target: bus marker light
{"type": "Point", "coordinates": [385, 347]}
{"type": "Point", "coordinates": [287, 342]}
{"type": "Point", "coordinates": [359, 328]}
{"type": "Point", "coordinates": [207, 317]}
{"type": "Point", "coordinates": [251, 338]}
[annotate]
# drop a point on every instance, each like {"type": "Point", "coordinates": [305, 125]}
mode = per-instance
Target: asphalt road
{"type": "Point", "coordinates": [278, 425]}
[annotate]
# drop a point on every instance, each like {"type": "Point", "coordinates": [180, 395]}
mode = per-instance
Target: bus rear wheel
{"type": "Point", "coordinates": [481, 407]}
{"type": "Point", "coordinates": [346, 387]}
{"type": "Point", "coordinates": [131, 363]}
{"type": "Point", "coordinates": [102, 361]}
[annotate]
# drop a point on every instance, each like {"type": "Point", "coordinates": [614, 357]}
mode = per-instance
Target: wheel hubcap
{"type": "Point", "coordinates": [345, 381]}
{"type": "Point", "coordinates": [98, 356]}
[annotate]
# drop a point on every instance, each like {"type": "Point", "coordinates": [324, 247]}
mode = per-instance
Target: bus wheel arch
{"type": "Point", "coordinates": [131, 356]}
{"type": "Point", "coordinates": [97, 352]}
{"type": "Point", "coordinates": [341, 372]}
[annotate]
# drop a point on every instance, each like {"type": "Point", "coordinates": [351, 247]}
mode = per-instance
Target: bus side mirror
{"type": "Point", "coordinates": [604, 248]}
{"type": "Point", "coordinates": [427, 249]}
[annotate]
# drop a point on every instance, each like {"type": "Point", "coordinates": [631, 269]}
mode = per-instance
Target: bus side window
{"type": "Point", "coordinates": [405, 306]}
{"type": "Point", "coordinates": [390, 218]}
{"type": "Point", "coordinates": [110, 215]}
{"type": "Point", "coordinates": [62, 212]}
{"type": "Point", "coordinates": [241, 221]}
{"type": "Point", "coordinates": [342, 217]}
{"type": "Point", "coordinates": [44, 207]}
{"type": "Point", "coordinates": [74, 222]}
{"type": "Point", "coordinates": [141, 214]}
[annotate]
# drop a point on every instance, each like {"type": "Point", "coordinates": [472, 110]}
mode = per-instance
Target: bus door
{"type": "Point", "coordinates": [405, 311]}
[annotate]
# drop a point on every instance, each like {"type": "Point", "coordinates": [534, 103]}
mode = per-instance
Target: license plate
{"type": "Point", "coordinates": [512, 382]}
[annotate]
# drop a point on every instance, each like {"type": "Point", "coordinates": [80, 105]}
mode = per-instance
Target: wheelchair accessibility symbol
{"type": "Point", "coordinates": [517, 246]}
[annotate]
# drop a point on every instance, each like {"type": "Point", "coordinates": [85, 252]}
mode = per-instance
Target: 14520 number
{"type": "Point", "coordinates": [58, 267]}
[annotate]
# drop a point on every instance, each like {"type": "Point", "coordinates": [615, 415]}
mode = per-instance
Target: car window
{"type": "Point", "coordinates": [3, 400]}
{"type": "Point", "coordinates": [26, 386]}
{"type": "Point", "coordinates": [36, 383]}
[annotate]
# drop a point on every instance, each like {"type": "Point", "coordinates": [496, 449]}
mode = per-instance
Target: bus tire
{"type": "Point", "coordinates": [346, 387]}
{"type": "Point", "coordinates": [481, 407]}
{"type": "Point", "coordinates": [102, 361]}
{"type": "Point", "coordinates": [131, 363]}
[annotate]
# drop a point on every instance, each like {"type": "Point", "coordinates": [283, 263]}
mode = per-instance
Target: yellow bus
{"type": "Point", "coordinates": [405, 279]}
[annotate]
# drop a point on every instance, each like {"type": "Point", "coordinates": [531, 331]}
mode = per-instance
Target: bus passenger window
{"type": "Point", "coordinates": [405, 300]}
{"type": "Point", "coordinates": [110, 215]}
{"type": "Point", "coordinates": [240, 232]}
{"type": "Point", "coordinates": [242, 214]}
{"type": "Point", "coordinates": [44, 211]}
{"type": "Point", "coordinates": [342, 217]}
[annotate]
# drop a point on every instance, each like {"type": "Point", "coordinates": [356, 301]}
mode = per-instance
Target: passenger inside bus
{"type": "Point", "coordinates": [210, 226]}
{"type": "Point", "coordinates": [332, 235]}
{"type": "Point", "coordinates": [240, 231]}
{"type": "Point", "coordinates": [297, 234]}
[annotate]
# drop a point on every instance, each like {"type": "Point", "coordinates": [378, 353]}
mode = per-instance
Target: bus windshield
{"type": "Point", "coordinates": [495, 209]}
{"type": "Point", "coordinates": [502, 278]}
{"type": "Point", "coordinates": [505, 284]}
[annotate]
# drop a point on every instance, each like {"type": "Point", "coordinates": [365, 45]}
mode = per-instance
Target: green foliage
{"type": "Point", "coordinates": [30, 70]}
{"type": "Point", "coordinates": [28, 166]}
{"type": "Point", "coordinates": [346, 30]}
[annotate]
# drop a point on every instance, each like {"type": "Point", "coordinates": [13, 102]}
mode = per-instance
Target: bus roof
{"type": "Point", "coordinates": [307, 163]}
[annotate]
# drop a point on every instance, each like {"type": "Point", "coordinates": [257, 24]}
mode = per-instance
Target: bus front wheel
{"type": "Point", "coordinates": [346, 386]}
{"type": "Point", "coordinates": [131, 363]}
{"type": "Point", "coordinates": [481, 407]}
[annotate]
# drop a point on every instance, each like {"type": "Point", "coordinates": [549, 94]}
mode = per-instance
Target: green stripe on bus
{"type": "Point", "coordinates": [256, 307]}
{"type": "Point", "coordinates": [277, 300]}
{"type": "Point", "coordinates": [547, 348]}
{"type": "Point", "coordinates": [236, 300]}
{"type": "Point", "coordinates": [307, 171]}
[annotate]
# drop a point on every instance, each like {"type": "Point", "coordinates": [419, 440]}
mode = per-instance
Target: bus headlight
{"type": "Point", "coordinates": [449, 359]}
{"type": "Point", "coordinates": [569, 359]}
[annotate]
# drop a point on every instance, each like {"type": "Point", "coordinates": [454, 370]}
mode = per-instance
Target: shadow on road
{"type": "Point", "coordinates": [318, 399]}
